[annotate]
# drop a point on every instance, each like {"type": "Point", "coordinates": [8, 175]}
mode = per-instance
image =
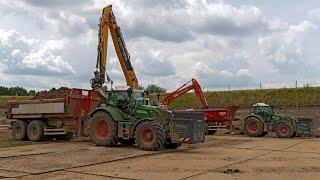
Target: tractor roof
{"type": "Point", "coordinates": [260, 104]}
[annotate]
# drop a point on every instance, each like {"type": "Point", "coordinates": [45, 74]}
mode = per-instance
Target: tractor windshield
{"type": "Point", "coordinates": [262, 110]}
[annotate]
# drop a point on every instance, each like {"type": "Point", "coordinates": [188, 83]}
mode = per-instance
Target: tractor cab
{"type": "Point", "coordinates": [125, 98]}
{"type": "Point", "coordinates": [264, 110]}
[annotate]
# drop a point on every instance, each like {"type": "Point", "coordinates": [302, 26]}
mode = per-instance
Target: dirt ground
{"type": "Point", "coordinates": [221, 157]}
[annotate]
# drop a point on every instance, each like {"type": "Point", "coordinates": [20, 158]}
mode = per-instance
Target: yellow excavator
{"type": "Point", "coordinates": [108, 24]}
{"type": "Point", "coordinates": [125, 116]}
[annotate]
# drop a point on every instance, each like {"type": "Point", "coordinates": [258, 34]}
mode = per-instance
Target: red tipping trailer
{"type": "Point", "coordinates": [60, 117]}
{"type": "Point", "coordinates": [218, 118]}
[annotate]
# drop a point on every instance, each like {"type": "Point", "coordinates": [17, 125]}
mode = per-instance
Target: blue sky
{"type": "Point", "coordinates": [240, 43]}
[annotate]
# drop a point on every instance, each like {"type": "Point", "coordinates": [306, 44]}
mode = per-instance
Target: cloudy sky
{"type": "Point", "coordinates": [52, 43]}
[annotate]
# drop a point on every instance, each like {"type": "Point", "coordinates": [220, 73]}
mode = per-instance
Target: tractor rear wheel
{"type": "Point", "coordinates": [103, 130]}
{"type": "Point", "coordinates": [253, 127]}
{"type": "Point", "coordinates": [19, 130]}
{"type": "Point", "coordinates": [150, 136]}
{"type": "Point", "coordinates": [284, 130]}
{"type": "Point", "coordinates": [35, 131]}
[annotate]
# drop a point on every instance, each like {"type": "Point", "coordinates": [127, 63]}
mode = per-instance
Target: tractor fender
{"type": "Point", "coordinates": [254, 116]}
{"type": "Point", "coordinates": [114, 112]}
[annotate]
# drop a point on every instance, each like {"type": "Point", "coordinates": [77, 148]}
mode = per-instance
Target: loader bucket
{"type": "Point", "coordinates": [187, 127]}
{"type": "Point", "coordinates": [304, 127]}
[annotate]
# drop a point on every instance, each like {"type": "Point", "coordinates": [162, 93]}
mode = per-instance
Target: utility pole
{"type": "Point", "coordinates": [229, 87]}
{"type": "Point", "coordinates": [296, 84]}
{"type": "Point", "coordinates": [260, 86]}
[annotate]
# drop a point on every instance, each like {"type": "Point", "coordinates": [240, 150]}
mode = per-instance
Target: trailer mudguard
{"type": "Point", "coordinates": [114, 112]}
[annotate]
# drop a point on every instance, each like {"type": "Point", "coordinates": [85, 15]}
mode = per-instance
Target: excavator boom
{"type": "Point", "coordinates": [183, 90]}
{"type": "Point", "coordinates": [108, 24]}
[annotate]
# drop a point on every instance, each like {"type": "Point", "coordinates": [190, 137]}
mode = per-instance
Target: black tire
{"type": "Point", "coordinates": [19, 130]}
{"type": "Point", "coordinates": [103, 130]}
{"type": "Point", "coordinates": [253, 127]}
{"type": "Point", "coordinates": [35, 131]}
{"type": "Point", "coordinates": [150, 136]}
{"type": "Point", "coordinates": [284, 130]}
{"type": "Point", "coordinates": [127, 142]}
{"type": "Point", "coordinates": [172, 145]}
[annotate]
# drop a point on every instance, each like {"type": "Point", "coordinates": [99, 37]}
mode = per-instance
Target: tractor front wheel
{"type": "Point", "coordinates": [150, 136]}
{"type": "Point", "coordinates": [284, 130]}
{"type": "Point", "coordinates": [253, 127]}
{"type": "Point", "coordinates": [103, 130]}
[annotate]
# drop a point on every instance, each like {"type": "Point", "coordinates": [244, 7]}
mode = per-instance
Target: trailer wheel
{"type": "Point", "coordinates": [35, 131]}
{"type": "Point", "coordinates": [150, 136]}
{"type": "Point", "coordinates": [103, 130]}
{"type": "Point", "coordinates": [253, 127]}
{"type": "Point", "coordinates": [284, 130]}
{"type": "Point", "coordinates": [19, 130]}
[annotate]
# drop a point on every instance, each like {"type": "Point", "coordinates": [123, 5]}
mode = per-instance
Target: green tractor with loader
{"type": "Point", "coordinates": [264, 118]}
{"type": "Point", "coordinates": [126, 117]}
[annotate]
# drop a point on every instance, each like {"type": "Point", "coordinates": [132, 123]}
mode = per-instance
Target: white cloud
{"type": "Point", "coordinates": [23, 55]}
{"type": "Point", "coordinates": [184, 20]}
{"type": "Point", "coordinates": [285, 49]}
{"type": "Point", "coordinates": [214, 78]}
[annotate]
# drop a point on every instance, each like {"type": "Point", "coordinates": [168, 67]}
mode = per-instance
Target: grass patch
{"type": "Point", "coordinates": [4, 99]}
{"type": "Point", "coordinates": [309, 96]}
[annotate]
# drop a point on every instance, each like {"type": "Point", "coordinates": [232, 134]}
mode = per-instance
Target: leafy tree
{"type": "Point", "coordinates": [153, 88]}
{"type": "Point", "coordinates": [15, 91]}
{"type": "Point", "coordinates": [32, 93]}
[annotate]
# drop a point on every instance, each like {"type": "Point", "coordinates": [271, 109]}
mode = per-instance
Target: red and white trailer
{"type": "Point", "coordinates": [60, 117]}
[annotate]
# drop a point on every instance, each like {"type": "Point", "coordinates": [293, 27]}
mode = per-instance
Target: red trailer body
{"type": "Point", "coordinates": [218, 118]}
{"type": "Point", "coordinates": [60, 116]}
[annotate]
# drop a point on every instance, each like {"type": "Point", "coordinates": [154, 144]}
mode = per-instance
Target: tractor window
{"type": "Point", "coordinates": [262, 109]}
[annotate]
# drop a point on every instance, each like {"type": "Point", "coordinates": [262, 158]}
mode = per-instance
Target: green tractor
{"type": "Point", "coordinates": [264, 118]}
{"type": "Point", "coordinates": [127, 117]}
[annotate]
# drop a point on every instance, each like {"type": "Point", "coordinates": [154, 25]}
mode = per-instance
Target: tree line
{"type": "Point", "coordinates": [16, 91]}
{"type": "Point", "coordinates": [20, 91]}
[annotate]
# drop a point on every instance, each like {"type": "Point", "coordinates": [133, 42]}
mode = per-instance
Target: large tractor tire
{"type": "Point", "coordinates": [19, 130]}
{"type": "Point", "coordinates": [253, 127]}
{"type": "Point", "coordinates": [35, 131]}
{"type": "Point", "coordinates": [285, 130]}
{"type": "Point", "coordinates": [150, 136]}
{"type": "Point", "coordinates": [103, 130]}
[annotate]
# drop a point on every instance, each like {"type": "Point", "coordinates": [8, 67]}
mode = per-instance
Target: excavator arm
{"type": "Point", "coordinates": [108, 24]}
{"type": "Point", "coordinates": [183, 90]}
